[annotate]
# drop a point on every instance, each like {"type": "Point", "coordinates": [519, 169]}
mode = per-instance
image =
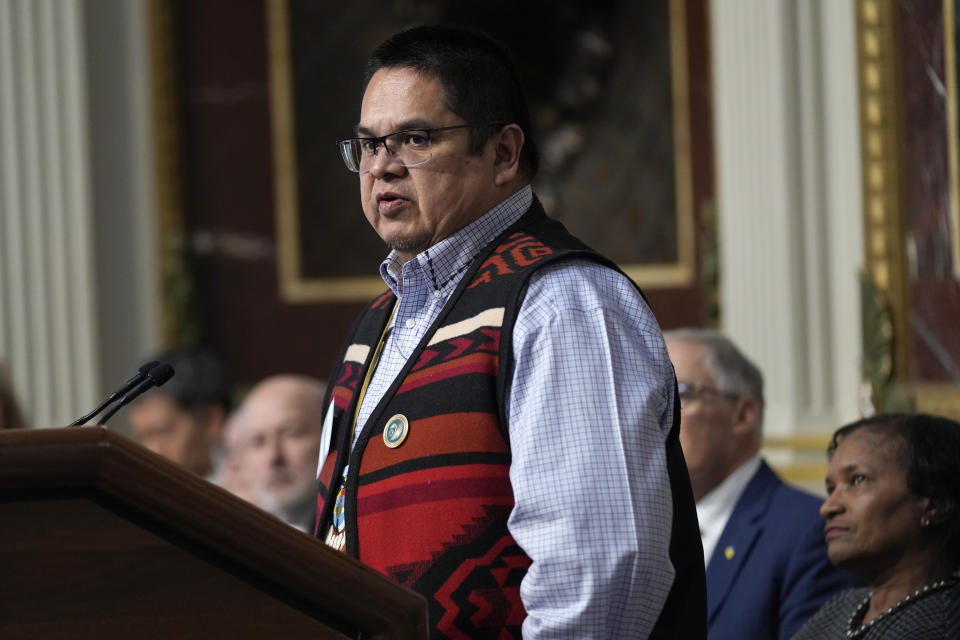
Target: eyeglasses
{"type": "Point", "coordinates": [411, 147]}
{"type": "Point", "coordinates": [690, 392]}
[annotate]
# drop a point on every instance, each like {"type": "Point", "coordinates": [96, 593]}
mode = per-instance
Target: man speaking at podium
{"type": "Point", "coordinates": [502, 425]}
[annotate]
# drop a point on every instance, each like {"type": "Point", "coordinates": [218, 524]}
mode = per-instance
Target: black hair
{"type": "Point", "coordinates": [200, 379]}
{"type": "Point", "coordinates": [480, 79]}
{"type": "Point", "coordinates": [929, 455]}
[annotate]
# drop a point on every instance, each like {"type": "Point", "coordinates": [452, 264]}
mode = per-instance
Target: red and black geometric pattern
{"type": "Point", "coordinates": [347, 378]}
{"type": "Point", "coordinates": [519, 252]}
{"type": "Point", "coordinates": [432, 513]}
{"type": "Point", "coordinates": [383, 301]}
{"type": "Point", "coordinates": [346, 384]}
{"type": "Point", "coordinates": [476, 352]}
{"type": "Point", "coordinates": [482, 594]}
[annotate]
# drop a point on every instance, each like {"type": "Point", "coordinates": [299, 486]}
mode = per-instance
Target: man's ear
{"type": "Point", "coordinates": [747, 414]}
{"type": "Point", "coordinates": [507, 145]}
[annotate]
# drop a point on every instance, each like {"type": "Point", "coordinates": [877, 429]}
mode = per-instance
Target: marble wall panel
{"type": "Point", "coordinates": [933, 287]}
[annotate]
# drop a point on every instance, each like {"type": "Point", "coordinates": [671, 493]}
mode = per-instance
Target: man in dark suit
{"type": "Point", "coordinates": [767, 566]}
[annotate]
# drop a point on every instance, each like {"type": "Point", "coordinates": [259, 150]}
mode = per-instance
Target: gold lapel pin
{"type": "Point", "coordinates": [395, 431]}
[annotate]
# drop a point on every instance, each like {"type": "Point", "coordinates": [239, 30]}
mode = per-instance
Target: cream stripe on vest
{"type": "Point", "coordinates": [488, 318]}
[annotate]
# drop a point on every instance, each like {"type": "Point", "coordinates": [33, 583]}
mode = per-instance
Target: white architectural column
{"type": "Point", "coordinates": [127, 275]}
{"type": "Point", "coordinates": [48, 333]}
{"type": "Point", "coordinates": [78, 284]}
{"type": "Point", "coordinates": [789, 202]}
{"type": "Point", "coordinates": [843, 201]}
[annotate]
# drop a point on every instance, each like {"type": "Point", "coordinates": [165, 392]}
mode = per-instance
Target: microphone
{"type": "Point", "coordinates": [155, 377]}
{"type": "Point", "coordinates": [134, 380]}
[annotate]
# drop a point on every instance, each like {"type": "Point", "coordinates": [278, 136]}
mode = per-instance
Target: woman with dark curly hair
{"type": "Point", "coordinates": [11, 417]}
{"type": "Point", "coordinates": [893, 518]}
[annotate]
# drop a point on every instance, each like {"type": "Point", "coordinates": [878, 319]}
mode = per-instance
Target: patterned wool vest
{"type": "Point", "coordinates": [432, 512]}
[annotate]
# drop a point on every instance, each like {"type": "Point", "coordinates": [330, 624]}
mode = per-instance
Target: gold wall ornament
{"type": "Point", "coordinates": [710, 263]}
{"type": "Point", "coordinates": [953, 126]}
{"type": "Point", "coordinates": [876, 327]}
{"type": "Point", "coordinates": [881, 150]}
{"type": "Point", "coordinates": [938, 399]}
{"type": "Point", "coordinates": [181, 326]}
{"type": "Point", "coordinates": [878, 350]}
{"type": "Point", "coordinates": [179, 323]}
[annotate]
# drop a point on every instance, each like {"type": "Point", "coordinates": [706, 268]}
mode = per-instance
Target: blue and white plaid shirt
{"type": "Point", "coordinates": [589, 411]}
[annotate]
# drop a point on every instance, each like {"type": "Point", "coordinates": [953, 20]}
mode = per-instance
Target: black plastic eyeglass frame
{"type": "Point", "coordinates": [382, 140]}
{"type": "Point", "coordinates": [691, 391]}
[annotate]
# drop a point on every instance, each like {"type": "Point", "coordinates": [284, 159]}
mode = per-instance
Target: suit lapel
{"type": "Point", "coordinates": [738, 538]}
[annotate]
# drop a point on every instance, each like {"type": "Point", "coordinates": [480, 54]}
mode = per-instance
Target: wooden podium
{"type": "Point", "coordinates": [101, 538]}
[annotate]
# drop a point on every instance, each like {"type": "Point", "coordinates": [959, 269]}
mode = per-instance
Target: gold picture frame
{"type": "Point", "coordinates": [953, 126]}
{"type": "Point", "coordinates": [294, 287]}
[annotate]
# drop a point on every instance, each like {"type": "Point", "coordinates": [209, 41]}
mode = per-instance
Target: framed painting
{"type": "Point", "coordinates": [609, 90]}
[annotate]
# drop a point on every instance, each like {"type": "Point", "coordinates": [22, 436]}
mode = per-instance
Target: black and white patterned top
{"type": "Point", "coordinates": [934, 616]}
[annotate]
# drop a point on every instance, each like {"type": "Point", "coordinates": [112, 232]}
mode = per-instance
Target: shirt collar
{"type": "Point", "coordinates": [728, 492]}
{"type": "Point", "coordinates": [715, 508]}
{"type": "Point", "coordinates": [454, 253]}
